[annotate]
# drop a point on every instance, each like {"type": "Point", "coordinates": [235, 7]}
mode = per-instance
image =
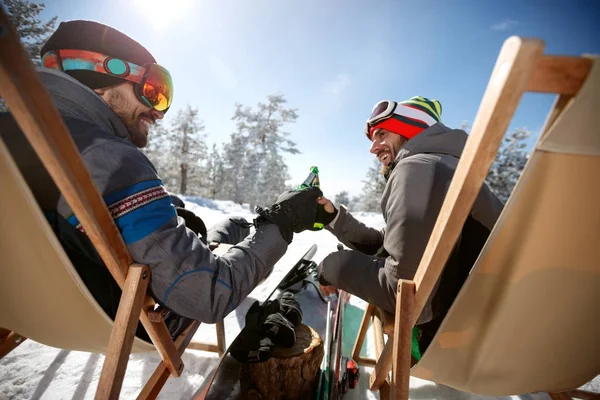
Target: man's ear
{"type": "Point", "coordinates": [101, 91]}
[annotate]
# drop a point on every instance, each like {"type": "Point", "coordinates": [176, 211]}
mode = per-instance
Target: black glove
{"type": "Point", "coordinates": [294, 211]}
{"type": "Point", "coordinates": [280, 330]}
{"type": "Point", "coordinates": [192, 221]}
{"type": "Point", "coordinates": [252, 344]}
{"type": "Point", "coordinates": [290, 308]}
{"type": "Point", "coordinates": [265, 327]}
{"type": "Point", "coordinates": [251, 347]}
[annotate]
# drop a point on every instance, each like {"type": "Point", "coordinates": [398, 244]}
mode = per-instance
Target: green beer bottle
{"type": "Point", "coordinates": [313, 181]}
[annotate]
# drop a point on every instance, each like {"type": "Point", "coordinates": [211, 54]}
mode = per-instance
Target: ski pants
{"type": "Point", "coordinates": [366, 277]}
{"type": "Point", "coordinates": [362, 275]}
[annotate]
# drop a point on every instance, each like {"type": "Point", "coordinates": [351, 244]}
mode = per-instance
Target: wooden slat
{"type": "Point", "coordinates": [10, 342]}
{"type": "Point", "coordinates": [33, 109]}
{"type": "Point", "coordinates": [123, 332]}
{"type": "Point", "coordinates": [378, 334]}
{"type": "Point", "coordinates": [204, 347]}
{"type": "Point", "coordinates": [220, 338]}
{"type": "Point", "coordinates": [559, 74]}
{"type": "Point", "coordinates": [508, 82]}
{"type": "Point", "coordinates": [402, 340]}
{"type": "Point", "coordinates": [158, 379]}
{"type": "Point", "coordinates": [370, 362]}
{"type": "Point", "coordinates": [161, 338]}
{"type": "Point", "coordinates": [360, 338]}
{"type": "Point", "coordinates": [384, 365]}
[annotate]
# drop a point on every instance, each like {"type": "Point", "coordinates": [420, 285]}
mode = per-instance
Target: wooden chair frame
{"type": "Point", "coordinates": [521, 67]}
{"type": "Point", "coordinates": [32, 108]}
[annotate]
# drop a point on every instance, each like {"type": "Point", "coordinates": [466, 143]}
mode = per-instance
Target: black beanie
{"type": "Point", "coordinates": [99, 38]}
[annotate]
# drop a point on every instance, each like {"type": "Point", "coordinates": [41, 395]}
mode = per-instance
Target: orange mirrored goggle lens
{"type": "Point", "coordinates": [157, 88]}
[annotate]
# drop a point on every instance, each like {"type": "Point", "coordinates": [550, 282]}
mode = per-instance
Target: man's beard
{"type": "Point", "coordinates": [139, 139]}
{"type": "Point", "coordinates": [118, 104]}
{"type": "Point", "coordinates": [384, 169]}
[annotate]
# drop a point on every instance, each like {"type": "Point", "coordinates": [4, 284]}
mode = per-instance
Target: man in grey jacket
{"type": "Point", "coordinates": [419, 156]}
{"type": "Point", "coordinates": [109, 91]}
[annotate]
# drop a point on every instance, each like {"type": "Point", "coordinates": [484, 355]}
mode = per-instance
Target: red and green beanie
{"type": "Point", "coordinates": [412, 117]}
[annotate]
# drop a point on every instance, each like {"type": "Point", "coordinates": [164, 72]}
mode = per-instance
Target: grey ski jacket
{"type": "Point", "coordinates": [186, 277]}
{"type": "Point", "coordinates": [414, 193]}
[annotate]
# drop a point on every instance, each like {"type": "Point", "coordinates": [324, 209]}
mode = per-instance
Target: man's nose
{"type": "Point", "coordinates": [375, 146]}
{"type": "Point", "coordinates": [157, 114]}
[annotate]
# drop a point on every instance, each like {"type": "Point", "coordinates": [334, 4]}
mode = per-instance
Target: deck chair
{"type": "Point", "coordinates": [525, 320]}
{"type": "Point", "coordinates": [41, 295]}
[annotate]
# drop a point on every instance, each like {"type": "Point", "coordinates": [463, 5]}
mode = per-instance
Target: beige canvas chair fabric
{"type": "Point", "coordinates": [527, 318]}
{"type": "Point", "coordinates": [41, 294]}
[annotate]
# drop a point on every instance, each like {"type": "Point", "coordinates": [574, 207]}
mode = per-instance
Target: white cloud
{"type": "Point", "coordinates": [339, 84]}
{"type": "Point", "coordinates": [504, 25]}
{"type": "Point", "coordinates": [222, 72]}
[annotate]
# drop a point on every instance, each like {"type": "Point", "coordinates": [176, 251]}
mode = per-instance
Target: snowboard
{"type": "Point", "coordinates": [223, 383]}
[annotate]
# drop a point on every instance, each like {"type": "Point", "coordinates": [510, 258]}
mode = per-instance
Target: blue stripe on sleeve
{"type": "Point", "coordinates": [141, 222]}
{"type": "Point", "coordinates": [73, 220]}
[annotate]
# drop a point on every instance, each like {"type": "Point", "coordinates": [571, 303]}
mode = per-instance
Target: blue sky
{"type": "Point", "coordinates": [334, 60]}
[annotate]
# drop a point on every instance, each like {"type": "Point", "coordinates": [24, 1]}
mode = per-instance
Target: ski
{"type": "Point", "coordinates": [324, 379]}
{"type": "Point", "coordinates": [339, 373]}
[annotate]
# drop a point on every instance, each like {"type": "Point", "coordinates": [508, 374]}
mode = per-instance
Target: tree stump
{"type": "Point", "coordinates": [290, 373]}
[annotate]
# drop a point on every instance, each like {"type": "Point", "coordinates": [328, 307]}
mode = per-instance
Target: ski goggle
{"type": "Point", "coordinates": [381, 111]}
{"type": "Point", "coordinates": [153, 85]}
{"type": "Point", "coordinates": [412, 116]}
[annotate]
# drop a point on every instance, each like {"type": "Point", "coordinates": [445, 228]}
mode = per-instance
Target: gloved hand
{"type": "Point", "coordinates": [294, 211]}
{"type": "Point", "coordinates": [280, 330]}
{"type": "Point", "coordinates": [265, 327]}
{"type": "Point", "coordinates": [290, 308]}
{"type": "Point", "coordinates": [252, 344]}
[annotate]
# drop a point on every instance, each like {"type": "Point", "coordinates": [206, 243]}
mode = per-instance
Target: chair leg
{"type": "Point", "coordinates": [121, 337]}
{"type": "Point", "coordinates": [384, 365]}
{"type": "Point", "coordinates": [385, 391]}
{"type": "Point", "coordinates": [220, 338]}
{"type": "Point", "coordinates": [161, 374]}
{"type": "Point", "coordinates": [574, 394]}
{"type": "Point", "coordinates": [9, 341]}
{"type": "Point", "coordinates": [402, 339]}
{"type": "Point", "coordinates": [360, 338]}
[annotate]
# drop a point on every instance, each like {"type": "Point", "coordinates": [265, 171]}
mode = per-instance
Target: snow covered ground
{"type": "Point", "coordinates": [35, 371]}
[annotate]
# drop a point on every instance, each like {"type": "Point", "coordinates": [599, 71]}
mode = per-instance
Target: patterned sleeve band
{"type": "Point", "coordinates": [138, 210]}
